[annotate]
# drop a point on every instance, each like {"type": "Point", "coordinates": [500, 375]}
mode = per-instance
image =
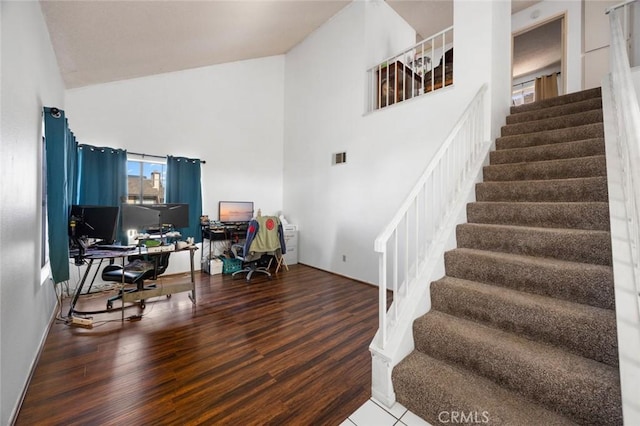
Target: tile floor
{"type": "Point", "coordinates": [374, 413]}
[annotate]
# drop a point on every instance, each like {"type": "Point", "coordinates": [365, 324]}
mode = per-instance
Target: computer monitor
{"type": "Point", "coordinates": [235, 211]}
{"type": "Point", "coordinates": [154, 216]}
{"type": "Point", "coordinates": [96, 222]}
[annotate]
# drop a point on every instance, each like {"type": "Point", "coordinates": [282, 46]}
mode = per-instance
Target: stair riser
{"type": "Point", "coordinates": [567, 121]}
{"type": "Point", "coordinates": [578, 393]}
{"type": "Point", "coordinates": [559, 100]}
{"type": "Point", "coordinates": [586, 148]}
{"type": "Point", "coordinates": [585, 331]}
{"type": "Point", "coordinates": [578, 283]}
{"type": "Point", "coordinates": [560, 110]}
{"type": "Point", "coordinates": [574, 246]}
{"type": "Point", "coordinates": [589, 131]}
{"type": "Point", "coordinates": [570, 190]}
{"type": "Point", "coordinates": [594, 216]}
{"type": "Point", "coordinates": [541, 170]}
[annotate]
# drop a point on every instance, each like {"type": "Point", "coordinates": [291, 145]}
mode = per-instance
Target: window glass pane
{"type": "Point", "coordinates": [146, 181]}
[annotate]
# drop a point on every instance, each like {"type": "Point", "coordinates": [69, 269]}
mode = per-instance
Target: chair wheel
{"type": "Point", "coordinates": [109, 304]}
{"type": "Point", "coordinates": [142, 304]}
{"type": "Point", "coordinates": [168, 296]}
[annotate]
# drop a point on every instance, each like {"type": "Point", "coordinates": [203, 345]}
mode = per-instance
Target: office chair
{"type": "Point", "coordinates": [139, 269]}
{"type": "Point", "coordinates": [265, 237]}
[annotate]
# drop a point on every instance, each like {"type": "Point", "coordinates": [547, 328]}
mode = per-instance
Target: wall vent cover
{"type": "Point", "coordinates": [339, 158]}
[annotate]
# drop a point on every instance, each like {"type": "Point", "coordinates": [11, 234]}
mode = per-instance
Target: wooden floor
{"type": "Point", "coordinates": [288, 351]}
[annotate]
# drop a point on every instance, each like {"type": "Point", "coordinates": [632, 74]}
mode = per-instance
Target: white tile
{"type": "Point", "coordinates": [411, 419]}
{"type": "Point", "coordinates": [371, 414]}
{"type": "Point", "coordinates": [397, 410]}
{"type": "Point", "coordinates": [347, 422]}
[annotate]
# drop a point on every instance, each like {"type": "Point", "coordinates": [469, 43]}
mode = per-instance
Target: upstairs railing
{"type": "Point", "coordinates": [416, 233]}
{"type": "Point", "coordinates": [627, 115]}
{"type": "Point", "coordinates": [423, 68]}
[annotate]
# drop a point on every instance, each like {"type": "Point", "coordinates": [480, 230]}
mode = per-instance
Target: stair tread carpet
{"type": "Point", "coordinates": [575, 245]}
{"type": "Point", "coordinates": [555, 111]}
{"type": "Point", "coordinates": [557, 151]}
{"type": "Point", "coordinates": [569, 190]}
{"type": "Point", "coordinates": [565, 121]}
{"type": "Point", "coordinates": [455, 389]}
{"type": "Point", "coordinates": [580, 388]}
{"type": "Point", "coordinates": [581, 329]}
{"type": "Point", "coordinates": [558, 100]}
{"type": "Point", "coordinates": [575, 215]}
{"type": "Point", "coordinates": [573, 281]}
{"type": "Point", "coordinates": [548, 169]}
{"type": "Point", "coordinates": [587, 131]}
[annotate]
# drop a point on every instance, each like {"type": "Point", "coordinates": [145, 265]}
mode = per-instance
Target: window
{"type": "Point", "coordinates": [145, 179]}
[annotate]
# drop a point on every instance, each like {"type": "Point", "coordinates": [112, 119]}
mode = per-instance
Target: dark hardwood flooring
{"type": "Point", "coordinates": [288, 351]}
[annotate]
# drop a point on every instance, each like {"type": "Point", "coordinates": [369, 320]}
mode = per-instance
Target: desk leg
{"type": "Point", "coordinates": [79, 289]}
{"type": "Point", "coordinates": [192, 296]}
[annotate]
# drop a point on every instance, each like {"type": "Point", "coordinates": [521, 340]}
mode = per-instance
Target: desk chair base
{"type": "Point", "coordinates": [249, 271]}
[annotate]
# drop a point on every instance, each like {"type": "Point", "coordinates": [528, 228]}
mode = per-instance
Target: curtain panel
{"type": "Point", "coordinates": [546, 87]}
{"type": "Point", "coordinates": [184, 186]}
{"type": "Point", "coordinates": [60, 152]}
{"type": "Point", "coordinates": [102, 179]}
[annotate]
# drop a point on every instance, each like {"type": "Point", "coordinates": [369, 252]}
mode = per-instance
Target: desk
{"type": "Point", "coordinates": [229, 232]}
{"type": "Point", "coordinates": [92, 255]}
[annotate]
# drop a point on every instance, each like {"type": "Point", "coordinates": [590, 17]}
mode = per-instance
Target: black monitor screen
{"type": "Point", "coordinates": [97, 222]}
{"type": "Point", "coordinates": [145, 216]}
{"type": "Point", "coordinates": [235, 211]}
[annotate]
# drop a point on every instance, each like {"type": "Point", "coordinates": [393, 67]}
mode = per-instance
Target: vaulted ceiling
{"type": "Point", "coordinates": [99, 41]}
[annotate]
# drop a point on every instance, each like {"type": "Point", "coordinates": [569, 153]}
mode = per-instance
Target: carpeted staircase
{"type": "Point", "coordinates": [522, 328]}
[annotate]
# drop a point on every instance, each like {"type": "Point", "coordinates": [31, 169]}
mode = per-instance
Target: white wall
{"type": "Point", "coordinates": [573, 26]}
{"type": "Point", "coordinates": [29, 80]}
{"type": "Point", "coordinates": [341, 209]}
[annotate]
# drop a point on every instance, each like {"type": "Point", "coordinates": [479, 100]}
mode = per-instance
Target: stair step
{"type": "Point", "coordinates": [584, 330]}
{"type": "Point", "coordinates": [432, 388]}
{"type": "Point", "coordinates": [572, 281]}
{"type": "Point", "coordinates": [574, 149]}
{"type": "Point", "coordinates": [574, 245]}
{"type": "Point", "coordinates": [567, 190]}
{"type": "Point", "coordinates": [555, 111]}
{"type": "Point", "coordinates": [593, 215]}
{"type": "Point", "coordinates": [587, 131]}
{"type": "Point", "coordinates": [585, 390]}
{"type": "Point", "coordinates": [548, 169]}
{"type": "Point", "coordinates": [558, 100]}
{"type": "Point", "coordinates": [565, 121]}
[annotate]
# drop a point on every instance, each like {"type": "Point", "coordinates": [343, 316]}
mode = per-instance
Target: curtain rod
{"type": "Point", "coordinates": [156, 156]}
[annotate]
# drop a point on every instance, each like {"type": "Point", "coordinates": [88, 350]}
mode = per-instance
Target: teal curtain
{"type": "Point", "coordinates": [60, 149]}
{"type": "Point", "coordinates": [183, 186]}
{"type": "Point", "coordinates": [102, 178]}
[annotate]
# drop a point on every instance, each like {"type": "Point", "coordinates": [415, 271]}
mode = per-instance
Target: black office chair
{"type": "Point", "coordinates": [265, 239]}
{"type": "Point", "coordinates": [139, 269]}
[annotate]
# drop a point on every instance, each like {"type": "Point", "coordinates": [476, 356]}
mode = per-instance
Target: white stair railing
{"type": "Point", "coordinates": [416, 232]}
{"type": "Point", "coordinates": [420, 69]}
{"type": "Point", "coordinates": [622, 140]}
{"type": "Point", "coordinates": [627, 115]}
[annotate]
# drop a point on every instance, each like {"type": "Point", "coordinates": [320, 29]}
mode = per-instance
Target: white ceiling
{"type": "Point", "coordinates": [98, 41]}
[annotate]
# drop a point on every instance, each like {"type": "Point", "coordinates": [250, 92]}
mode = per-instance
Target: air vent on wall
{"type": "Point", "coordinates": [339, 158]}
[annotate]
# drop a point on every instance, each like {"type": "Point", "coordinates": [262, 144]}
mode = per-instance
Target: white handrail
{"type": "Point", "coordinates": [411, 236]}
{"type": "Point", "coordinates": [628, 135]}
